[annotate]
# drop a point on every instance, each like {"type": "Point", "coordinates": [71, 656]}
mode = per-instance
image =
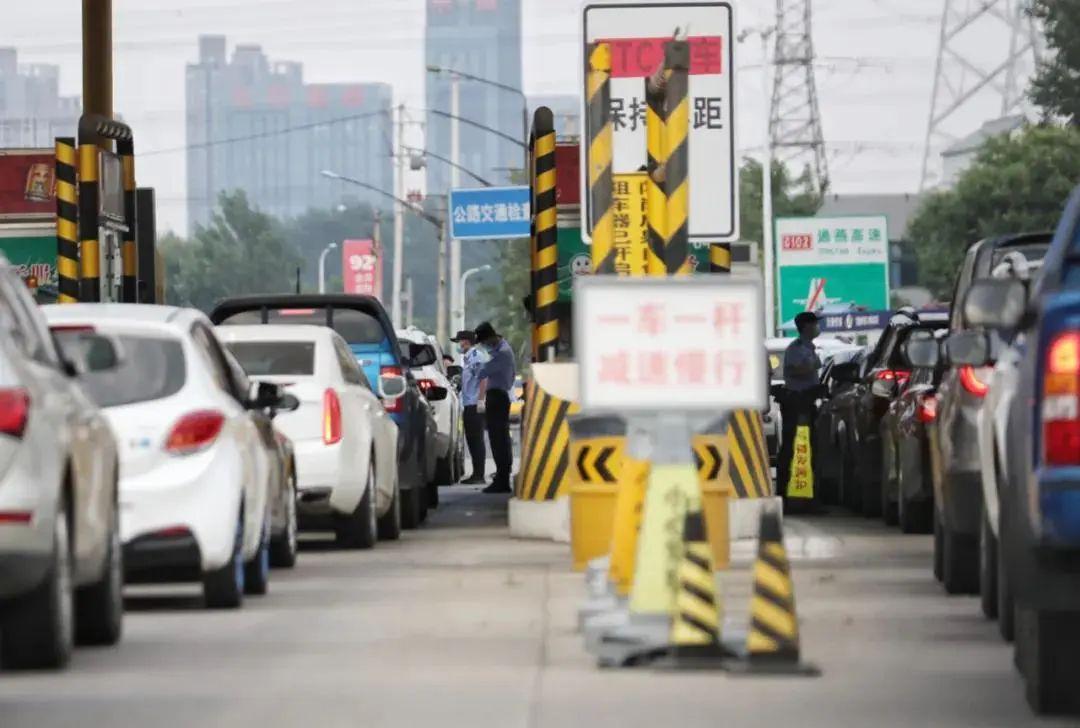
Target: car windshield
{"type": "Point", "coordinates": [1032, 252]}
{"type": "Point", "coordinates": [151, 368]}
{"type": "Point", "coordinates": [275, 357]}
{"type": "Point", "coordinates": [356, 327]}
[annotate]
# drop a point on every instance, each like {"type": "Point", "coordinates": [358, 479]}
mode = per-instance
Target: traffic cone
{"type": "Point", "coordinates": [773, 643]}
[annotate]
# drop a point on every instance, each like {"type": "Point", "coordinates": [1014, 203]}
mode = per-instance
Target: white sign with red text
{"type": "Point", "coordinates": [675, 344]}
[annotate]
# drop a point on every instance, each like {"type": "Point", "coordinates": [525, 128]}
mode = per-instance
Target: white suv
{"type": "Point", "coordinates": [430, 371]}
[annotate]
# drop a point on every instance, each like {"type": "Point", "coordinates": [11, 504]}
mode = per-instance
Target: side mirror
{"type": "Point", "coordinates": [846, 373]}
{"type": "Point", "coordinates": [995, 303]}
{"type": "Point", "coordinates": [421, 355]}
{"type": "Point", "coordinates": [436, 394]}
{"type": "Point", "coordinates": [392, 386]}
{"type": "Point", "coordinates": [264, 396]}
{"type": "Point", "coordinates": [453, 370]}
{"type": "Point", "coordinates": [287, 403]}
{"type": "Point", "coordinates": [971, 348]}
{"type": "Point", "coordinates": [922, 352]}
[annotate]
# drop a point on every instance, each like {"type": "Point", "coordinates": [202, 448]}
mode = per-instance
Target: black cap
{"type": "Point", "coordinates": [485, 331]}
{"type": "Point", "coordinates": [464, 335]}
{"type": "Point", "coordinates": [805, 319]}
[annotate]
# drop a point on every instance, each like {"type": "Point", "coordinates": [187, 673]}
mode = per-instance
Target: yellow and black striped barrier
{"type": "Point", "coordinates": [656, 157]}
{"type": "Point", "coordinates": [546, 271]}
{"type": "Point", "coordinates": [597, 459]}
{"type": "Point", "coordinates": [89, 245]}
{"type": "Point", "coordinates": [748, 456]}
{"type": "Point", "coordinates": [600, 139]}
{"type": "Point", "coordinates": [676, 170]}
{"type": "Point", "coordinates": [695, 622]}
{"type": "Point", "coordinates": [129, 280]}
{"type": "Point", "coordinates": [545, 449]}
{"type": "Point", "coordinates": [720, 258]}
{"type": "Point", "coordinates": [67, 222]}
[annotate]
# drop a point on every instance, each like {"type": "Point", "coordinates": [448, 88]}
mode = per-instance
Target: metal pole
{"type": "Point", "coordinates": [455, 182]}
{"type": "Point", "coordinates": [97, 73]}
{"type": "Point", "coordinates": [376, 246]}
{"type": "Point", "coordinates": [89, 243]}
{"type": "Point", "coordinates": [546, 270]}
{"type": "Point", "coordinates": [767, 243]}
{"type": "Point", "coordinates": [656, 158]}
{"type": "Point", "coordinates": [67, 216]}
{"type": "Point", "coordinates": [677, 169]}
{"type": "Point", "coordinates": [409, 303]}
{"type": "Point", "coordinates": [464, 280]}
{"type": "Point", "coordinates": [440, 312]}
{"type": "Point", "coordinates": [399, 220]}
{"type": "Point", "coordinates": [322, 266]}
{"type": "Point", "coordinates": [600, 138]}
{"type": "Point", "coordinates": [129, 256]}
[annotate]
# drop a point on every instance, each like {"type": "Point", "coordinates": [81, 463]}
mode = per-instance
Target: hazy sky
{"type": "Point", "coordinates": [874, 73]}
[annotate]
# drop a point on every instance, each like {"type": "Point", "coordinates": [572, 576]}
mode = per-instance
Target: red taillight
{"type": "Point", "coordinates": [15, 518]}
{"type": "Point", "coordinates": [927, 411]}
{"type": "Point", "coordinates": [194, 431]}
{"type": "Point", "coordinates": [971, 382]}
{"type": "Point", "coordinates": [71, 328]}
{"type": "Point", "coordinates": [425, 384]}
{"type": "Point", "coordinates": [393, 405]}
{"type": "Point", "coordinates": [900, 376]}
{"type": "Point", "coordinates": [331, 417]}
{"type": "Point", "coordinates": [1061, 401]}
{"type": "Point", "coordinates": [14, 409]}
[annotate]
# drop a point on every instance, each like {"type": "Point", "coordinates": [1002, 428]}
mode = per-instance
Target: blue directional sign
{"type": "Point", "coordinates": [486, 213]}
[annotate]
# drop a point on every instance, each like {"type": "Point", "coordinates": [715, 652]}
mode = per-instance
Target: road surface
{"type": "Point", "coordinates": [457, 625]}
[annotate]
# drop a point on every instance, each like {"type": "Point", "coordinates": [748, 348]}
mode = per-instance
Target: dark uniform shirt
{"type": "Point", "coordinates": [801, 365]}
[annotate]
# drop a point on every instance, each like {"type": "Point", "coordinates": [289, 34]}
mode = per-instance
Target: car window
{"type": "Point", "coordinates": [28, 328]}
{"type": "Point", "coordinates": [350, 370]}
{"type": "Point", "coordinates": [153, 368]}
{"type": "Point", "coordinates": [356, 327]}
{"type": "Point", "coordinates": [262, 358]}
{"type": "Point", "coordinates": [241, 385]}
{"type": "Point", "coordinates": [211, 354]}
{"type": "Point", "coordinates": [963, 283]}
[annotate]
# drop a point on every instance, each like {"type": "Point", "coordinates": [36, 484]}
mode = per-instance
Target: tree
{"type": "Point", "coordinates": [1056, 85]}
{"type": "Point", "coordinates": [1016, 184]}
{"type": "Point", "coordinates": [792, 196]}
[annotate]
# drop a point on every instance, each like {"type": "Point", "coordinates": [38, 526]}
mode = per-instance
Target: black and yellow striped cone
{"type": "Point", "coordinates": [773, 643]}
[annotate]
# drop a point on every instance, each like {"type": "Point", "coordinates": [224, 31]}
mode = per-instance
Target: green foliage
{"type": "Point", "coordinates": [792, 196]}
{"type": "Point", "coordinates": [1056, 85]}
{"type": "Point", "coordinates": [1017, 184]}
{"type": "Point", "coordinates": [241, 251]}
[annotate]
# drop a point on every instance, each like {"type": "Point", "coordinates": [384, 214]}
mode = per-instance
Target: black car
{"type": "Point", "coordinates": [363, 323]}
{"type": "Point", "coordinates": [861, 397]}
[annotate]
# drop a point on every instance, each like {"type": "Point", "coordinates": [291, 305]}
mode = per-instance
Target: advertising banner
{"type": "Point", "coordinates": [27, 184]}
{"type": "Point", "coordinates": [31, 250]}
{"type": "Point", "coordinates": [361, 267]}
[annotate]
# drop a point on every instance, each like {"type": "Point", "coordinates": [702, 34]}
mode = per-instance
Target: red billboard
{"type": "Point", "coordinates": [568, 174]}
{"type": "Point", "coordinates": [361, 266]}
{"type": "Point", "coordinates": [27, 184]}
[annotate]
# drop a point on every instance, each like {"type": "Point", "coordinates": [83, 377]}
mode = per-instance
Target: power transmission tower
{"type": "Point", "coordinates": [964, 80]}
{"type": "Point", "coordinates": [794, 116]}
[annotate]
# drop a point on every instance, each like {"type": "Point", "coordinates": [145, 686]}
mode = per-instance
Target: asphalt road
{"type": "Point", "coordinates": [457, 625]}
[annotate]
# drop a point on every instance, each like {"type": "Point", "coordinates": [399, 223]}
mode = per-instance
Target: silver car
{"type": "Point", "coordinates": [60, 559]}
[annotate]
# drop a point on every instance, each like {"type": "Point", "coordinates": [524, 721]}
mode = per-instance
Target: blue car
{"type": "Point", "coordinates": [363, 323]}
{"type": "Point", "coordinates": [1039, 492]}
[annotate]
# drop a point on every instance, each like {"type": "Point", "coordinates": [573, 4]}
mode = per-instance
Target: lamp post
{"type": "Point", "coordinates": [322, 266]}
{"type": "Point", "coordinates": [459, 315]}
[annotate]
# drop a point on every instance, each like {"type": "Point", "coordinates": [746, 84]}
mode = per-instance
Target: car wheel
{"type": "Point", "coordinates": [359, 530]}
{"type": "Point", "coordinates": [914, 517]}
{"type": "Point", "coordinates": [889, 509]}
{"type": "Point", "coordinates": [223, 588]}
{"type": "Point", "coordinates": [38, 630]}
{"type": "Point", "coordinates": [410, 507]}
{"type": "Point", "coordinates": [1048, 654]}
{"type": "Point", "coordinates": [390, 523]}
{"type": "Point", "coordinates": [988, 570]}
{"type": "Point", "coordinates": [99, 607]}
{"type": "Point", "coordinates": [939, 549]}
{"type": "Point", "coordinates": [284, 548]}
{"type": "Point", "coordinates": [1006, 605]}
{"type": "Point", "coordinates": [871, 489]}
{"type": "Point", "coordinates": [444, 471]}
{"type": "Point", "coordinates": [257, 571]}
{"type": "Point", "coordinates": [960, 562]}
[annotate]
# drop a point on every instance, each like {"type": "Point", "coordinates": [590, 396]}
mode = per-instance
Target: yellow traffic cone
{"type": "Point", "coordinates": [773, 643]}
{"type": "Point", "coordinates": [629, 509]}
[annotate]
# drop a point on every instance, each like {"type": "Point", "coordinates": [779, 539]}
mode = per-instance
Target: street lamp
{"type": "Point", "coordinates": [456, 74]}
{"type": "Point", "coordinates": [322, 266]}
{"type": "Point", "coordinates": [459, 316]}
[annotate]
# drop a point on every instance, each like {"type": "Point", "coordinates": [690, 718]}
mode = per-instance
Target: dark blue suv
{"type": "Point", "coordinates": [363, 323]}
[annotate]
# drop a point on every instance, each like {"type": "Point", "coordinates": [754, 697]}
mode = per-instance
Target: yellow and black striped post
{"type": "Point", "coordinates": [129, 281]}
{"type": "Point", "coordinates": [89, 244]}
{"type": "Point", "coordinates": [676, 170]}
{"type": "Point", "coordinates": [695, 624]}
{"type": "Point", "coordinates": [720, 258]}
{"type": "Point", "coordinates": [655, 121]}
{"type": "Point", "coordinates": [67, 222]}
{"type": "Point", "coordinates": [535, 344]}
{"type": "Point", "coordinates": [545, 319]}
{"type": "Point", "coordinates": [600, 139]}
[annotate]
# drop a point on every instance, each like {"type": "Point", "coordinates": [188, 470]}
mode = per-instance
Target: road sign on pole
{"type": "Point", "coordinates": [486, 213]}
{"type": "Point", "coordinates": [830, 261]}
{"type": "Point", "coordinates": [637, 33]}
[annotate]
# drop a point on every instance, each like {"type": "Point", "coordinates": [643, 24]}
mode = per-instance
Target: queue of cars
{"type": "Point", "coordinates": [142, 443]}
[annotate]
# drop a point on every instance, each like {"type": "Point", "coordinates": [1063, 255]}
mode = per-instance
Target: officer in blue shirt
{"type": "Point", "coordinates": [472, 360]}
{"type": "Point", "coordinates": [498, 373]}
{"type": "Point", "coordinates": [800, 392]}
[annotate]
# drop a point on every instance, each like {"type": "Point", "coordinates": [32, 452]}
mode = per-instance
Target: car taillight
{"type": "Point", "coordinates": [971, 382]}
{"type": "Point", "coordinates": [900, 376]}
{"type": "Point", "coordinates": [1061, 401]}
{"type": "Point", "coordinates": [71, 328]}
{"type": "Point", "coordinates": [393, 405]}
{"type": "Point", "coordinates": [425, 384]}
{"type": "Point", "coordinates": [927, 411]}
{"type": "Point", "coordinates": [14, 409]}
{"type": "Point", "coordinates": [331, 417]}
{"type": "Point", "coordinates": [194, 431]}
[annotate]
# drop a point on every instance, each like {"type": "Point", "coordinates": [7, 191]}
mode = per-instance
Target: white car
{"type": "Point", "coordinates": [194, 498]}
{"type": "Point", "coordinates": [430, 371]}
{"type": "Point", "coordinates": [60, 557]}
{"type": "Point", "coordinates": [345, 443]}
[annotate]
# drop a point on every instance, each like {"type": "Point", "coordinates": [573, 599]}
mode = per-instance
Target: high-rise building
{"type": "Point", "coordinates": [32, 111]}
{"type": "Point", "coordinates": [481, 38]}
{"type": "Point", "coordinates": [254, 125]}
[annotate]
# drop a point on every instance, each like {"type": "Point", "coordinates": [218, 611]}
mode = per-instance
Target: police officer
{"type": "Point", "coordinates": [801, 388]}
{"type": "Point", "coordinates": [498, 378]}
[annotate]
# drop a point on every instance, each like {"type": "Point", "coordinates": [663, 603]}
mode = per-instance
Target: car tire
{"type": "Point", "coordinates": [852, 494]}
{"type": "Point", "coordinates": [284, 548]}
{"type": "Point", "coordinates": [257, 571]}
{"type": "Point", "coordinates": [960, 562]}
{"type": "Point", "coordinates": [39, 629]}
{"type": "Point", "coordinates": [915, 517]}
{"type": "Point", "coordinates": [988, 570]}
{"type": "Point", "coordinates": [223, 588]}
{"type": "Point", "coordinates": [390, 523]}
{"type": "Point", "coordinates": [410, 507]}
{"type": "Point", "coordinates": [360, 529]}
{"type": "Point", "coordinates": [444, 470]}
{"type": "Point", "coordinates": [1048, 654]}
{"type": "Point", "coordinates": [1006, 606]}
{"type": "Point", "coordinates": [939, 549]}
{"type": "Point", "coordinates": [99, 607]}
